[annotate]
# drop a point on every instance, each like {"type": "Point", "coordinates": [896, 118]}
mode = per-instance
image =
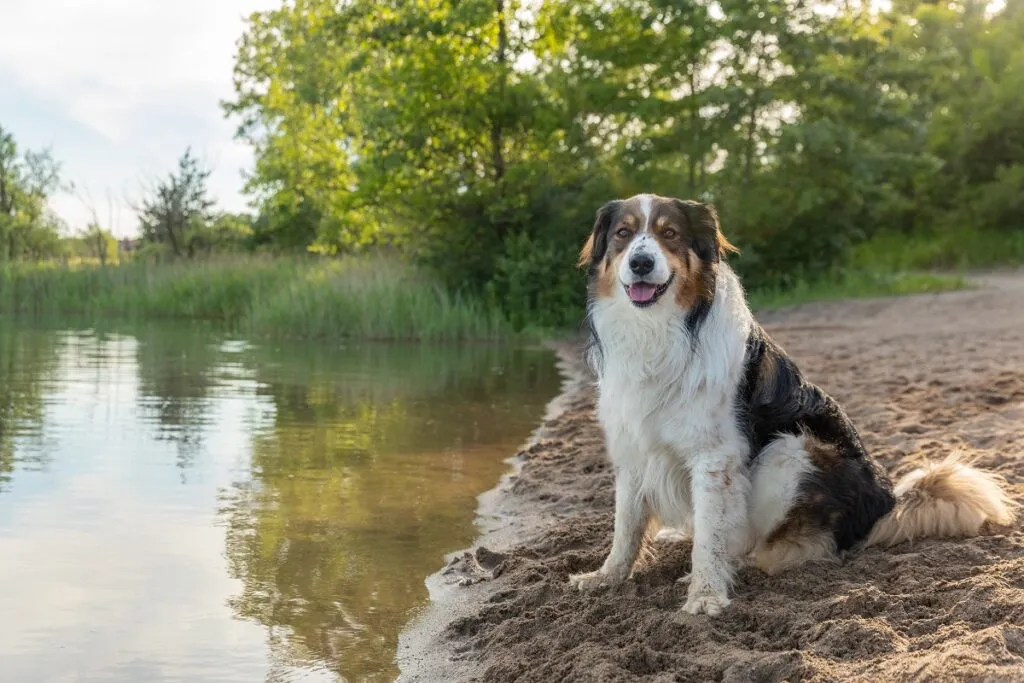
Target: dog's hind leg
{"type": "Point", "coordinates": [785, 535]}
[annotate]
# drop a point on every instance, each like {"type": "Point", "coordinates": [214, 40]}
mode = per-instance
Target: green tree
{"type": "Point", "coordinates": [977, 128]}
{"type": "Point", "coordinates": [225, 232]}
{"type": "Point", "coordinates": [179, 210]}
{"type": "Point", "coordinates": [292, 100]}
{"type": "Point", "coordinates": [419, 124]}
{"type": "Point", "coordinates": [480, 136]}
{"type": "Point", "coordinates": [27, 180]}
{"type": "Point", "coordinates": [101, 245]}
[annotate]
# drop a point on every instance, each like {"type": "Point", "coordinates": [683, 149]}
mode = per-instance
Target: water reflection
{"type": "Point", "coordinates": [174, 505]}
{"type": "Point", "coordinates": [381, 455]}
{"type": "Point", "coordinates": [176, 375]}
{"type": "Point", "coordinates": [26, 364]}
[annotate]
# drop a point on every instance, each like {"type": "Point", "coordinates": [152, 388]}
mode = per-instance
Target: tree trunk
{"type": "Point", "coordinates": [748, 162]}
{"type": "Point", "coordinates": [497, 133]}
{"type": "Point", "coordinates": [172, 238]}
{"type": "Point", "coordinates": [5, 213]}
{"type": "Point", "coordinates": [694, 135]}
{"type": "Point", "coordinates": [6, 203]}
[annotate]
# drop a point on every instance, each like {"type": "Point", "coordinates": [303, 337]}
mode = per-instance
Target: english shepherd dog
{"type": "Point", "coordinates": [712, 430]}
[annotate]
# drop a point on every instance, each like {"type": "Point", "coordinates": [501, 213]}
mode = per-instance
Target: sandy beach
{"type": "Point", "coordinates": [920, 376]}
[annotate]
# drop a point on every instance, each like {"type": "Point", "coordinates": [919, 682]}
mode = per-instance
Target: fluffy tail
{"type": "Point", "coordinates": [942, 500]}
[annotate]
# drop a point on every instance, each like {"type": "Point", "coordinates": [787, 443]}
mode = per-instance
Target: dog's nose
{"type": "Point", "coordinates": [641, 264]}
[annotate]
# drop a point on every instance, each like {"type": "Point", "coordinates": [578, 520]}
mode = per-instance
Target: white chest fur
{"type": "Point", "coordinates": [666, 399]}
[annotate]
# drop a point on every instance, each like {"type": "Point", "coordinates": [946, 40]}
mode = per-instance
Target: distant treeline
{"type": "Point", "coordinates": [177, 218]}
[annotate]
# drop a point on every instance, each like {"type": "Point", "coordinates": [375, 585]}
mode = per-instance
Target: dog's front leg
{"type": "Point", "coordinates": [719, 488]}
{"type": "Point", "coordinates": [631, 517]}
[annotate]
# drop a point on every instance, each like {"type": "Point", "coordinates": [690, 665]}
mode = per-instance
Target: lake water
{"type": "Point", "coordinates": [176, 505]}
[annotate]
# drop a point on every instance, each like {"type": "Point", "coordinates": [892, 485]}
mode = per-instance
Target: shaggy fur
{"type": "Point", "coordinates": [712, 429]}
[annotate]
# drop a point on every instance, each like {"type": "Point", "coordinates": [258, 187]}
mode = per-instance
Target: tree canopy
{"type": "Point", "coordinates": [28, 229]}
{"type": "Point", "coordinates": [179, 216]}
{"type": "Point", "coordinates": [480, 135]}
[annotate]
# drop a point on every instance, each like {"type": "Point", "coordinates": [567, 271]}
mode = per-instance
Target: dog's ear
{"type": "Point", "coordinates": [708, 241]}
{"type": "Point", "coordinates": [596, 245]}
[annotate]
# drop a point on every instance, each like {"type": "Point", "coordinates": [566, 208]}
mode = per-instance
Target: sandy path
{"type": "Point", "coordinates": [919, 376]}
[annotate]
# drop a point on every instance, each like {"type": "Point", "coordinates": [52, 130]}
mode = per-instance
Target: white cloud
{"type": "Point", "coordinates": [119, 88]}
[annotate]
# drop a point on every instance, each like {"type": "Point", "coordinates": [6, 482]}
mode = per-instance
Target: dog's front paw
{"type": "Point", "coordinates": [706, 602]}
{"type": "Point", "coordinates": [593, 580]}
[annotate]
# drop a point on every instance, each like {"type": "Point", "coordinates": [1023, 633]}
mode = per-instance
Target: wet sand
{"type": "Point", "coordinates": [920, 376]}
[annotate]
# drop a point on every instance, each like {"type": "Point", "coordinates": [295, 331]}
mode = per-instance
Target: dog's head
{"type": "Point", "coordinates": [649, 251]}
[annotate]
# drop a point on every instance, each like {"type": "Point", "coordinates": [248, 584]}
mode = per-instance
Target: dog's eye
{"type": "Point", "coordinates": [669, 234]}
{"type": "Point", "coordinates": [622, 232]}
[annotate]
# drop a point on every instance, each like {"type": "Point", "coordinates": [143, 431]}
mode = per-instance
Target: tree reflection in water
{"type": "Point", "coordinates": [27, 361]}
{"type": "Point", "coordinates": [366, 464]}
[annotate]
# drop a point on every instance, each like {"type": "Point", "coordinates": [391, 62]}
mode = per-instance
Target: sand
{"type": "Point", "coordinates": [920, 376]}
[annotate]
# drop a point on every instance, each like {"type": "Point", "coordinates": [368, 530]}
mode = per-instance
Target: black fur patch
{"type": "Point", "coordinates": [703, 237]}
{"type": "Point", "coordinates": [602, 222]}
{"type": "Point", "coordinates": [849, 491]}
{"type": "Point", "coordinates": [696, 317]}
{"type": "Point", "coordinates": [592, 348]}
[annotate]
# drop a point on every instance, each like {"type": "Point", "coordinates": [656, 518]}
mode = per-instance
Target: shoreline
{"type": "Point", "coordinates": [462, 586]}
{"type": "Point", "coordinates": [919, 375]}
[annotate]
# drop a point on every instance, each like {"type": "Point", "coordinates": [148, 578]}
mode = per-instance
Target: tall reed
{"type": "Point", "coordinates": [369, 298]}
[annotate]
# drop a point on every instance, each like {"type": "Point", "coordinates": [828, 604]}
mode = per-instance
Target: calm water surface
{"type": "Point", "coordinates": [180, 506]}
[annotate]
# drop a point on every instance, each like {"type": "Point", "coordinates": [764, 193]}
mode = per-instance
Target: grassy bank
{"type": "Point", "coordinates": [891, 264]}
{"type": "Point", "coordinates": [855, 285]}
{"type": "Point", "coordinates": [378, 298]}
{"type": "Point", "coordinates": [949, 250]}
{"type": "Point", "coordinates": [365, 299]}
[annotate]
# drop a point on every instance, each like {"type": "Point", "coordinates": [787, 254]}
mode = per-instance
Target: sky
{"type": "Point", "coordinates": [117, 89]}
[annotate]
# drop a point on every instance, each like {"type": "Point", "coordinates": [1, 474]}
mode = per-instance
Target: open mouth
{"type": "Point", "coordinates": [644, 294]}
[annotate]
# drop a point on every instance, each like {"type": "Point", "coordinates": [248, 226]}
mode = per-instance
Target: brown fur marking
{"type": "Point", "coordinates": [766, 375]}
{"type": "Point", "coordinates": [824, 456]}
{"type": "Point", "coordinates": [682, 228]}
{"type": "Point", "coordinates": [586, 253]}
{"type": "Point", "coordinates": [800, 537]}
{"type": "Point", "coordinates": [607, 279]}
{"type": "Point", "coordinates": [725, 247]}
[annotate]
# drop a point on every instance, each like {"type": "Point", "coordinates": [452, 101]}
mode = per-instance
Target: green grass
{"type": "Point", "coordinates": [378, 298]}
{"type": "Point", "coordinates": [310, 298]}
{"type": "Point", "coordinates": [891, 264]}
{"type": "Point", "coordinates": [855, 285]}
{"type": "Point", "coordinates": [948, 250]}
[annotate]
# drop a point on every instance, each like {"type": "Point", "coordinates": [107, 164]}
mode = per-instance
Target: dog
{"type": "Point", "coordinates": [712, 429]}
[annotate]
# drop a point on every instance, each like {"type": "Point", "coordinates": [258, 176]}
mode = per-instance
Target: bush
{"type": "Point", "coordinates": [518, 242]}
{"type": "Point", "coordinates": [536, 284]}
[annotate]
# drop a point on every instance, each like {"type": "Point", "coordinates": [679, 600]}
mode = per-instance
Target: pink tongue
{"type": "Point", "coordinates": [641, 292]}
